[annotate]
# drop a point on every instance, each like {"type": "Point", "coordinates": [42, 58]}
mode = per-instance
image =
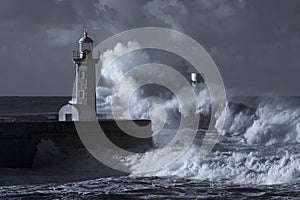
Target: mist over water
{"type": "Point", "coordinates": [256, 147]}
{"type": "Point", "coordinates": [258, 144]}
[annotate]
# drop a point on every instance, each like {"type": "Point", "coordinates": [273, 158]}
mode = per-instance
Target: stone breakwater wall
{"type": "Point", "coordinates": [19, 140]}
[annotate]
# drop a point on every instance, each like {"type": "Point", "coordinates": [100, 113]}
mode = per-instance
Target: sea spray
{"type": "Point", "coordinates": [278, 121]}
{"type": "Point", "coordinates": [238, 157]}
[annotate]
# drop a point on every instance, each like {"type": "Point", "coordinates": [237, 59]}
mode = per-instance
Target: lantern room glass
{"type": "Point", "coordinates": [83, 47]}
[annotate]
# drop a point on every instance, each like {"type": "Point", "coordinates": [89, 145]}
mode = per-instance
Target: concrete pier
{"type": "Point", "coordinates": [19, 140]}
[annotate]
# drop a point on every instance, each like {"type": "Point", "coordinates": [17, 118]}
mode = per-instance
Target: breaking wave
{"type": "Point", "coordinates": [257, 146]}
{"type": "Point", "coordinates": [258, 143]}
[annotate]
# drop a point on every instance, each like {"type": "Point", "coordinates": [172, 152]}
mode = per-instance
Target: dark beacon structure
{"type": "Point", "coordinates": [28, 123]}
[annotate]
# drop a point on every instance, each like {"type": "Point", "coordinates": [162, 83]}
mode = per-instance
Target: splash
{"type": "Point", "coordinates": [253, 167]}
{"type": "Point", "coordinates": [278, 122]}
{"type": "Point", "coordinates": [245, 153]}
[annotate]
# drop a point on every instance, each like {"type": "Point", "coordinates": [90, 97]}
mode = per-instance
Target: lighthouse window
{"type": "Point", "coordinates": [82, 74]}
{"type": "Point", "coordinates": [81, 94]}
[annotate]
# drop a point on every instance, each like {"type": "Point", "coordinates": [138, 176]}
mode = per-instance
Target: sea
{"type": "Point", "coordinates": [234, 171]}
{"type": "Point", "coordinates": [257, 156]}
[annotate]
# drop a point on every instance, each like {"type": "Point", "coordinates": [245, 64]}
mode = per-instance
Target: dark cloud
{"type": "Point", "coordinates": [254, 43]}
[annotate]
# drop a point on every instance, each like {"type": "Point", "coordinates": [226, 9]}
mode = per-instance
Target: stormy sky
{"type": "Point", "coordinates": [255, 43]}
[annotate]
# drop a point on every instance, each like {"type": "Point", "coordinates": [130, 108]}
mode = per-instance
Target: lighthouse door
{"type": "Point", "coordinates": [69, 117]}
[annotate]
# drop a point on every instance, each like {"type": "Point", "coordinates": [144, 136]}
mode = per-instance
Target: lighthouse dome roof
{"type": "Point", "coordinates": [85, 38]}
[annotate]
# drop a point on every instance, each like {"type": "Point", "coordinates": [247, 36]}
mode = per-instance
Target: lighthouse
{"type": "Point", "coordinates": [82, 107]}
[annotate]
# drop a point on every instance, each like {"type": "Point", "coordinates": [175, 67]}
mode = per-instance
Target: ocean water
{"type": "Point", "coordinates": [261, 173]}
{"type": "Point", "coordinates": [150, 188]}
{"type": "Point", "coordinates": [233, 170]}
{"type": "Point", "coordinates": [257, 156]}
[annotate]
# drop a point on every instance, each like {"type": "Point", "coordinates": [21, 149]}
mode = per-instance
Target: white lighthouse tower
{"type": "Point", "coordinates": [82, 107]}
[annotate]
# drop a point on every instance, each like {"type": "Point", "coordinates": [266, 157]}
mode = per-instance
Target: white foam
{"type": "Point", "coordinates": [235, 167]}
{"type": "Point", "coordinates": [277, 122]}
